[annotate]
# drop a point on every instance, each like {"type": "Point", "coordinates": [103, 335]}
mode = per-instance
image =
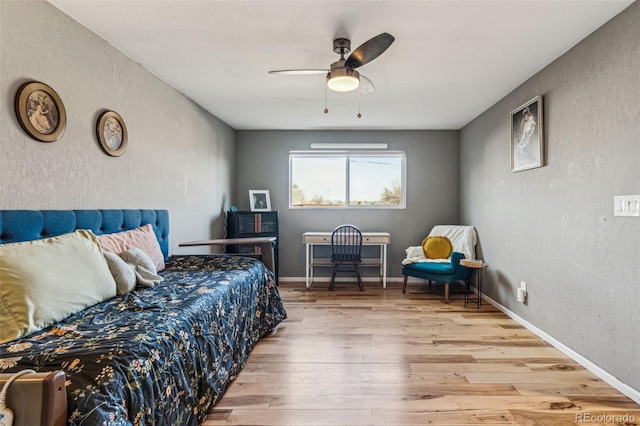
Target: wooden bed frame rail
{"type": "Point", "coordinates": [37, 399]}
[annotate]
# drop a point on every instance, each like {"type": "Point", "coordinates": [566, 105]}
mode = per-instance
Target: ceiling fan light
{"type": "Point", "coordinates": [343, 83]}
{"type": "Point", "coordinates": [343, 80]}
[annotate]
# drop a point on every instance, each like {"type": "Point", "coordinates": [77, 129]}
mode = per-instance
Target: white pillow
{"type": "Point", "coordinates": [44, 281]}
{"type": "Point", "coordinates": [123, 274]}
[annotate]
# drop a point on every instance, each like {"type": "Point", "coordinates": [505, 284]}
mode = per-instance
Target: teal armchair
{"type": "Point", "coordinates": [463, 239]}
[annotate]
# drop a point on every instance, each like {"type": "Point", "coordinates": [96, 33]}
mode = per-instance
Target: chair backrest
{"type": "Point", "coordinates": [346, 244]}
{"type": "Point", "coordinates": [463, 238]}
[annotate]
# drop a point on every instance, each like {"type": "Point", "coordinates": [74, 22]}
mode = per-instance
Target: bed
{"type": "Point", "coordinates": [160, 355]}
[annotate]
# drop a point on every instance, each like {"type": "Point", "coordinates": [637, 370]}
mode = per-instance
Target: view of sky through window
{"type": "Point", "coordinates": [321, 180]}
{"type": "Point", "coordinates": [370, 176]}
{"type": "Point", "coordinates": [347, 180]}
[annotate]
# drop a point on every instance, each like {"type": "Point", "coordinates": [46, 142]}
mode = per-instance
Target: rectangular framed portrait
{"type": "Point", "coordinates": [259, 200]}
{"type": "Point", "coordinates": [527, 142]}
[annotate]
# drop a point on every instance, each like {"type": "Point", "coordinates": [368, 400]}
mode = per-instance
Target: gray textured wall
{"type": "Point", "coordinates": [432, 185]}
{"type": "Point", "coordinates": [179, 156]}
{"type": "Point", "coordinates": [553, 227]}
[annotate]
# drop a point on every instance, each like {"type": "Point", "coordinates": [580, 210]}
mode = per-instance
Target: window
{"type": "Point", "coordinates": [340, 179]}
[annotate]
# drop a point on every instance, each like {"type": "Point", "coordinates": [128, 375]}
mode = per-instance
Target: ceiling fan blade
{"type": "Point", "coordinates": [369, 50]}
{"type": "Point", "coordinates": [300, 72]}
{"type": "Point", "coordinates": [366, 85]}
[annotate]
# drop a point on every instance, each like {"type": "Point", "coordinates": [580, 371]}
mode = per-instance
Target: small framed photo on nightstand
{"type": "Point", "coordinates": [259, 200]}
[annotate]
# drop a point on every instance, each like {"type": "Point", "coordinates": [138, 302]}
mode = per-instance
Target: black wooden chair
{"type": "Point", "coordinates": [346, 247]}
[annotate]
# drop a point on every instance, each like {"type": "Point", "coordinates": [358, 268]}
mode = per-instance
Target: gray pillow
{"type": "Point", "coordinates": [145, 277]}
{"type": "Point", "coordinates": [139, 258]}
{"type": "Point", "coordinates": [123, 274]}
{"type": "Point", "coordinates": [142, 265]}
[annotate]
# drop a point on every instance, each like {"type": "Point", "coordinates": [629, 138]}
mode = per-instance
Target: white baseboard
{"type": "Point", "coordinates": [338, 279]}
{"type": "Point", "coordinates": [632, 393]}
{"type": "Point", "coordinates": [365, 279]}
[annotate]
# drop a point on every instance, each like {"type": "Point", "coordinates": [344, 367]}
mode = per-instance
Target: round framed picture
{"type": "Point", "coordinates": [40, 111]}
{"type": "Point", "coordinates": [112, 133]}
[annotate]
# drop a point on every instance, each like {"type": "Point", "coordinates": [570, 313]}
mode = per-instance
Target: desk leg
{"type": "Point", "coordinates": [312, 254]}
{"type": "Point", "coordinates": [307, 266]}
{"type": "Point", "coordinates": [384, 266]}
{"type": "Point", "coordinates": [381, 267]}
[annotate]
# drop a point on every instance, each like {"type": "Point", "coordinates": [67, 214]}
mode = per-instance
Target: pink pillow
{"type": "Point", "coordinates": [143, 238]}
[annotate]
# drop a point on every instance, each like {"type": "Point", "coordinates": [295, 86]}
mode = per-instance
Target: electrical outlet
{"type": "Point", "coordinates": [521, 294]}
{"type": "Point", "coordinates": [626, 205]}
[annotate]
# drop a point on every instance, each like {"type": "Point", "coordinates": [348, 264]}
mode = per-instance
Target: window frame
{"type": "Point", "coordinates": [347, 154]}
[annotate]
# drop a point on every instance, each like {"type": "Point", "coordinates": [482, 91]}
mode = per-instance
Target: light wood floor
{"type": "Point", "coordinates": [379, 357]}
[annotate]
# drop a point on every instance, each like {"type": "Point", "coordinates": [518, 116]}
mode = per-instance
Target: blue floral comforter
{"type": "Point", "coordinates": [161, 355]}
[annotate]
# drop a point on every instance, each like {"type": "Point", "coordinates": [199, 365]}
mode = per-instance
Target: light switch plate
{"type": "Point", "coordinates": [626, 205]}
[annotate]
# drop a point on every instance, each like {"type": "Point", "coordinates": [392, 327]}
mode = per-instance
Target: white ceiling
{"type": "Point", "coordinates": [451, 60]}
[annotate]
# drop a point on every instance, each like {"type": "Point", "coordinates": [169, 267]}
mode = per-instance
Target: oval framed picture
{"type": "Point", "coordinates": [40, 111]}
{"type": "Point", "coordinates": [112, 133]}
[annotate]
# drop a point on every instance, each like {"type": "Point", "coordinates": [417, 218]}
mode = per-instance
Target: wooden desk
{"type": "Point", "coordinates": [265, 243]}
{"type": "Point", "coordinates": [311, 239]}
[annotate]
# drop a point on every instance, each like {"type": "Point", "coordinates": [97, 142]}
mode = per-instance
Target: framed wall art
{"type": "Point", "coordinates": [40, 111]}
{"type": "Point", "coordinates": [259, 200]}
{"type": "Point", "coordinates": [112, 133]}
{"type": "Point", "coordinates": [527, 142]}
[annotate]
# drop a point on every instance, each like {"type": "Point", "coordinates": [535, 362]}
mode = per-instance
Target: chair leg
{"type": "Point", "coordinates": [359, 277]}
{"type": "Point", "coordinates": [333, 276]}
{"type": "Point", "coordinates": [446, 293]}
{"type": "Point", "coordinates": [404, 286]}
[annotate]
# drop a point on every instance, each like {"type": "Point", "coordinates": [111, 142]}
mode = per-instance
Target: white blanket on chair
{"type": "Point", "coordinates": [463, 238]}
{"type": "Point", "coordinates": [415, 254]}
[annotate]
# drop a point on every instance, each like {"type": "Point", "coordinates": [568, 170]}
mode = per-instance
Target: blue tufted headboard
{"type": "Point", "coordinates": [26, 225]}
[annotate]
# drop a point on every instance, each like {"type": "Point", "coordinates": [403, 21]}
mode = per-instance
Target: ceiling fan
{"type": "Point", "coordinates": [342, 75]}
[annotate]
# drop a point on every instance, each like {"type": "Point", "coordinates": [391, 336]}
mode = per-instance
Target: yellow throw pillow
{"type": "Point", "coordinates": [437, 247]}
{"type": "Point", "coordinates": [44, 281]}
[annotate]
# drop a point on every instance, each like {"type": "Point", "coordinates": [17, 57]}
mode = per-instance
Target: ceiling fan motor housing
{"type": "Point", "coordinates": [338, 68]}
{"type": "Point", "coordinates": [343, 72]}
